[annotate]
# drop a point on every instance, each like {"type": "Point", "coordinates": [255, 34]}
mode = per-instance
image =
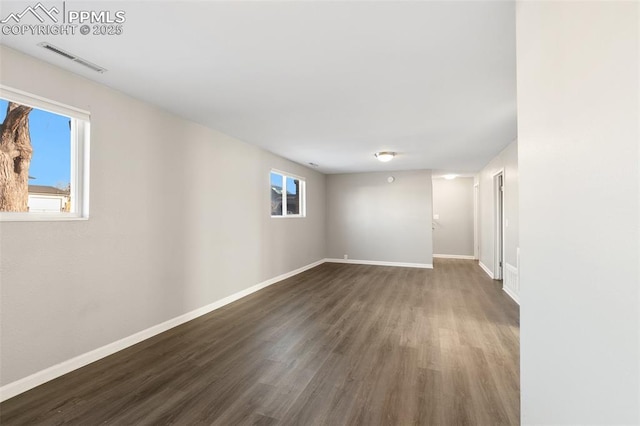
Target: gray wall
{"type": "Point", "coordinates": [453, 203]}
{"type": "Point", "coordinates": [507, 161]}
{"type": "Point", "coordinates": [578, 110]}
{"type": "Point", "coordinates": [371, 219]}
{"type": "Point", "coordinates": [179, 219]}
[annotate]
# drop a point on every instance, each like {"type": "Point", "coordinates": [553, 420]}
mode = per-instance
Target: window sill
{"type": "Point", "coordinates": [40, 217]}
{"type": "Point", "coordinates": [289, 217]}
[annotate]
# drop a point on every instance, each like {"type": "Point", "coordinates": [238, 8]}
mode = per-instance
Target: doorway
{"type": "Point", "coordinates": [476, 219]}
{"type": "Point", "coordinates": [498, 190]}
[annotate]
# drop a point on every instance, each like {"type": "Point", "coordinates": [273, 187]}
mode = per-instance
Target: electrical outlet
{"type": "Point", "coordinates": [346, 256]}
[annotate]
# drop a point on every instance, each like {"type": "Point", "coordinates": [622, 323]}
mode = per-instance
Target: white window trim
{"type": "Point", "coordinates": [80, 149]}
{"type": "Point", "coordinates": [39, 102]}
{"type": "Point", "coordinates": [303, 195]}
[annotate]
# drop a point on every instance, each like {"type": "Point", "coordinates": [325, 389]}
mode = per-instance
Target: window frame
{"type": "Point", "coordinates": [79, 165]}
{"type": "Point", "coordinates": [302, 196]}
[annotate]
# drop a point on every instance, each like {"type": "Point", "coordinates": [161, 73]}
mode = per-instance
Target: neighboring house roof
{"type": "Point", "coordinates": [49, 190]}
{"type": "Point", "coordinates": [278, 190]}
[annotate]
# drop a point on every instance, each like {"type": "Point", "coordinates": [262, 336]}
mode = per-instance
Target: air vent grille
{"type": "Point", "coordinates": [88, 64]}
{"type": "Point", "coordinates": [73, 57]}
{"type": "Point", "coordinates": [56, 50]}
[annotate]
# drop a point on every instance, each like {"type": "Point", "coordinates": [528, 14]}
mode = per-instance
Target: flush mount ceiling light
{"type": "Point", "coordinates": [385, 156]}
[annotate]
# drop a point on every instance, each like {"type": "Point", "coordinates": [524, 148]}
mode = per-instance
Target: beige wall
{"type": "Point", "coordinates": [179, 219]}
{"type": "Point", "coordinates": [371, 219]}
{"type": "Point", "coordinates": [453, 204]}
{"type": "Point", "coordinates": [578, 135]}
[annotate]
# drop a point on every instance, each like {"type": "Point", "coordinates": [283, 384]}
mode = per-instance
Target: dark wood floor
{"type": "Point", "coordinates": [336, 345]}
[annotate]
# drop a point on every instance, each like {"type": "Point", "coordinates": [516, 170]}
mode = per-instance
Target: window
{"type": "Point", "coordinates": [47, 165]}
{"type": "Point", "coordinates": [287, 195]}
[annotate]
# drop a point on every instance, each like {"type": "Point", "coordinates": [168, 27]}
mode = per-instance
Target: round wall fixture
{"type": "Point", "coordinates": [390, 179]}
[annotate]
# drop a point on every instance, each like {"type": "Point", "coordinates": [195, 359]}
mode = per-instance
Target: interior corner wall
{"type": "Point", "coordinates": [506, 161]}
{"type": "Point", "coordinates": [453, 206]}
{"type": "Point", "coordinates": [578, 66]}
{"type": "Point", "coordinates": [179, 219]}
{"type": "Point", "coordinates": [371, 219]}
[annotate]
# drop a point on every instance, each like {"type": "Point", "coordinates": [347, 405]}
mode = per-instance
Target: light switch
{"type": "Point", "coordinates": [436, 216]}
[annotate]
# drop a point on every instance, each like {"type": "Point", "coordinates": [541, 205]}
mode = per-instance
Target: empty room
{"type": "Point", "coordinates": [320, 212]}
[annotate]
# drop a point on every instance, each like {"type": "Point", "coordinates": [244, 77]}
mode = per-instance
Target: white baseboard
{"type": "Point", "coordinates": [485, 269]}
{"type": "Point", "coordinates": [453, 256]}
{"type": "Point", "coordinates": [382, 263]}
{"type": "Point", "coordinates": [511, 294]}
{"type": "Point", "coordinates": [511, 283]}
{"type": "Point", "coordinates": [22, 385]}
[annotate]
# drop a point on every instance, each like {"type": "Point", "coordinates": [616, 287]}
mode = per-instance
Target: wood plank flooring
{"type": "Point", "coordinates": [336, 345]}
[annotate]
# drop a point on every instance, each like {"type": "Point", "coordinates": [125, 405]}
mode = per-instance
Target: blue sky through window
{"type": "Point", "coordinates": [291, 186]}
{"type": "Point", "coordinates": [276, 180]}
{"type": "Point", "coordinates": [51, 141]}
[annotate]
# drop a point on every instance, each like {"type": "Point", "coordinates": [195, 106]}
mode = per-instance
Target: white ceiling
{"type": "Point", "coordinates": [323, 82]}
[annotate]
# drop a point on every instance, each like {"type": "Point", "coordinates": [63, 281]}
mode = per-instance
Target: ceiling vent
{"type": "Point", "coordinates": [73, 57]}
